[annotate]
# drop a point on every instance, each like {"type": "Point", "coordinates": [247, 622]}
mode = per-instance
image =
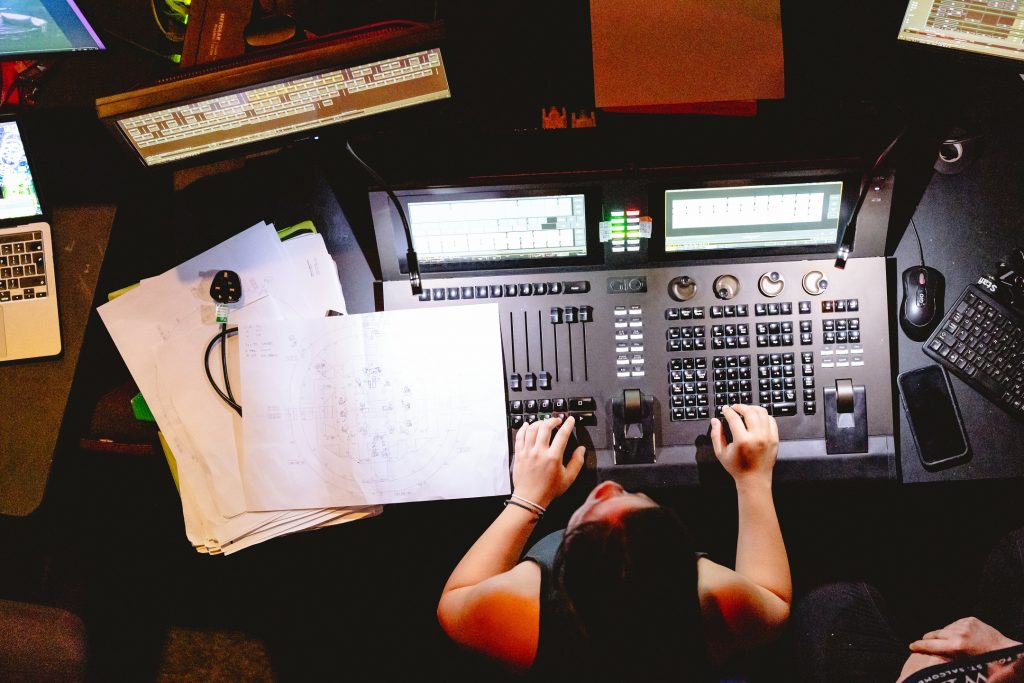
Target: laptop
{"type": "Point", "coordinates": [29, 323]}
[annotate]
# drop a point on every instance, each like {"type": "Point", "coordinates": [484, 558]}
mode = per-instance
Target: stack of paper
{"type": "Point", "coordinates": [341, 413]}
{"type": "Point", "coordinates": [162, 328]}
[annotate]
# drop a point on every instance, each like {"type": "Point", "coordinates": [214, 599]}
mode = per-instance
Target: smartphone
{"type": "Point", "coordinates": [934, 416]}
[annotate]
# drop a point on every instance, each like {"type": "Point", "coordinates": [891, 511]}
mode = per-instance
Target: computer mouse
{"type": "Point", "coordinates": [268, 27]}
{"type": "Point", "coordinates": [922, 306]}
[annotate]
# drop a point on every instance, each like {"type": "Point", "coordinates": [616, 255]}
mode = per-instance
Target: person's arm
{"type": "Point", "coordinates": [491, 603]}
{"type": "Point", "coordinates": [760, 610]}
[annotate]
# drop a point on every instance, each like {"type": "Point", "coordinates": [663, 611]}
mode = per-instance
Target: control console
{"type": "Point", "coordinates": [643, 305]}
{"type": "Point", "coordinates": [644, 357]}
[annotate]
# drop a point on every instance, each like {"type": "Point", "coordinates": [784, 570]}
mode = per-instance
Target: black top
{"type": "Point", "coordinates": [561, 647]}
{"type": "Point", "coordinates": [1002, 665]}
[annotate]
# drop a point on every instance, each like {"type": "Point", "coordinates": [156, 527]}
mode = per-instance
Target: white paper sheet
{"type": "Point", "coordinates": [204, 419]}
{"type": "Point", "coordinates": [375, 408]}
{"type": "Point", "coordinates": [308, 255]}
{"type": "Point", "coordinates": [159, 326]}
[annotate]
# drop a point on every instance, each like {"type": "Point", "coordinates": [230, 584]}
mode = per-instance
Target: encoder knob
{"type": "Point", "coordinates": [815, 282]}
{"type": "Point", "coordinates": [726, 286]}
{"type": "Point", "coordinates": [771, 284]}
{"type": "Point", "coordinates": [682, 288]}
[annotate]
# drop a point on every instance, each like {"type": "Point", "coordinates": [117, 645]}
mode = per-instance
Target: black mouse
{"type": "Point", "coordinates": [922, 307]}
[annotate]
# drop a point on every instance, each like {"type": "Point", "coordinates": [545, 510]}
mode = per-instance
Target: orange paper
{"type": "Point", "coordinates": [659, 54]}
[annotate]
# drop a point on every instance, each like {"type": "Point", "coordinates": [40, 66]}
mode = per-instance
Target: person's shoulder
{"type": "Point", "coordinates": [499, 616]}
{"type": "Point", "coordinates": [522, 579]}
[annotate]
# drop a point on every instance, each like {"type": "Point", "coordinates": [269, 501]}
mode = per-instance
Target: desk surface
{"type": "Point", "coordinates": [968, 222]}
{"type": "Point", "coordinates": [34, 394]}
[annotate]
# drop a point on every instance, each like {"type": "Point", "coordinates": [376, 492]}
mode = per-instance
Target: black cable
{"type": "Point", "coordinates": [842, 244]}
{"type": "Point", "coordinates": [920, 249]}
{"type": "Point", "coordinates": [222, 338]}
{"type": "Point", "coordinates": [224, 359]}
{"type": "Point", "coordinates": [412, 260]}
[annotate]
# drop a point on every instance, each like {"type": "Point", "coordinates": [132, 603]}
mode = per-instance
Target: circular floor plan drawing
{"type": "Point", "coordinates": [367, 424]}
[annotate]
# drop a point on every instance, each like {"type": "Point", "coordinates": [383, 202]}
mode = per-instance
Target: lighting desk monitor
{"type": "Point", "coordinates": [264, 99]}
{"type": "Point", "coordinates": [489, 228]}
{"type": "Point", "coordinates": [39, 27]}
{"type": "Point", "coordinates": [771, 218]}
{"type": "Point", "coordinates": [993, 28]}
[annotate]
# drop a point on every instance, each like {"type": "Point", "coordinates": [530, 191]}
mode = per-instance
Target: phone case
{"type": "Point", "coordinates": [943, 463]}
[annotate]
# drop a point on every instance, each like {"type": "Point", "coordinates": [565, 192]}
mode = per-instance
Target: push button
{"type": "Point", "coordinates": [582, 403]}
{"type": "Point", "coordinates": [577, 287]}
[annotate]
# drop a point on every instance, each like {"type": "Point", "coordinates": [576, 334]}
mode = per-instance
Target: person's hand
{"type": "Point", "coordinates": [968, 636]}
{"type": "Point", "coordinates": [537, 470]}
{"type": "Point", "coordinates": [755, 443]}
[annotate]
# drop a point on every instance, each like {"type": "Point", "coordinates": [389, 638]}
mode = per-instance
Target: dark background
{"type": "Point", "coordinates": [359, 599]}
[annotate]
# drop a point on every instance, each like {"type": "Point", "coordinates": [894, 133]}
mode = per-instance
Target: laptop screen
{"type": "Point", "coordinates": [18, 197]}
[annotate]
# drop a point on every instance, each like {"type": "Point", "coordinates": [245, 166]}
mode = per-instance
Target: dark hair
{"type": "Point", "coordinates": [631, 584]}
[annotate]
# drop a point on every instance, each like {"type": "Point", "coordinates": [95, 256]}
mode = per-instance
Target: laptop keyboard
{"type": "Point", "coordinates": [22, 266]}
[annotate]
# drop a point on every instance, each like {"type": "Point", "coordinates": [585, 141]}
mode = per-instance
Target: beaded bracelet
{"type": "Point", "coordinates": [528, 509]}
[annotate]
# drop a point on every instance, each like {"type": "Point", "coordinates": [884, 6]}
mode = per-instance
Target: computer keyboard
{"type": "Point", "coordinates": [981, 341]}
{"type": "Point", "coordinates": [22, 265]}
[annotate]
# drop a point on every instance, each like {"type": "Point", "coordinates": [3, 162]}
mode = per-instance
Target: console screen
{"type": "Point", "coordinates": [752, 216]}
{"type": "Point", "coordinates": [287, 106]}
{"type": "Point", "coordinates": [499, 229]}
{"type": "Point", "coordinates": [988, 27]}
